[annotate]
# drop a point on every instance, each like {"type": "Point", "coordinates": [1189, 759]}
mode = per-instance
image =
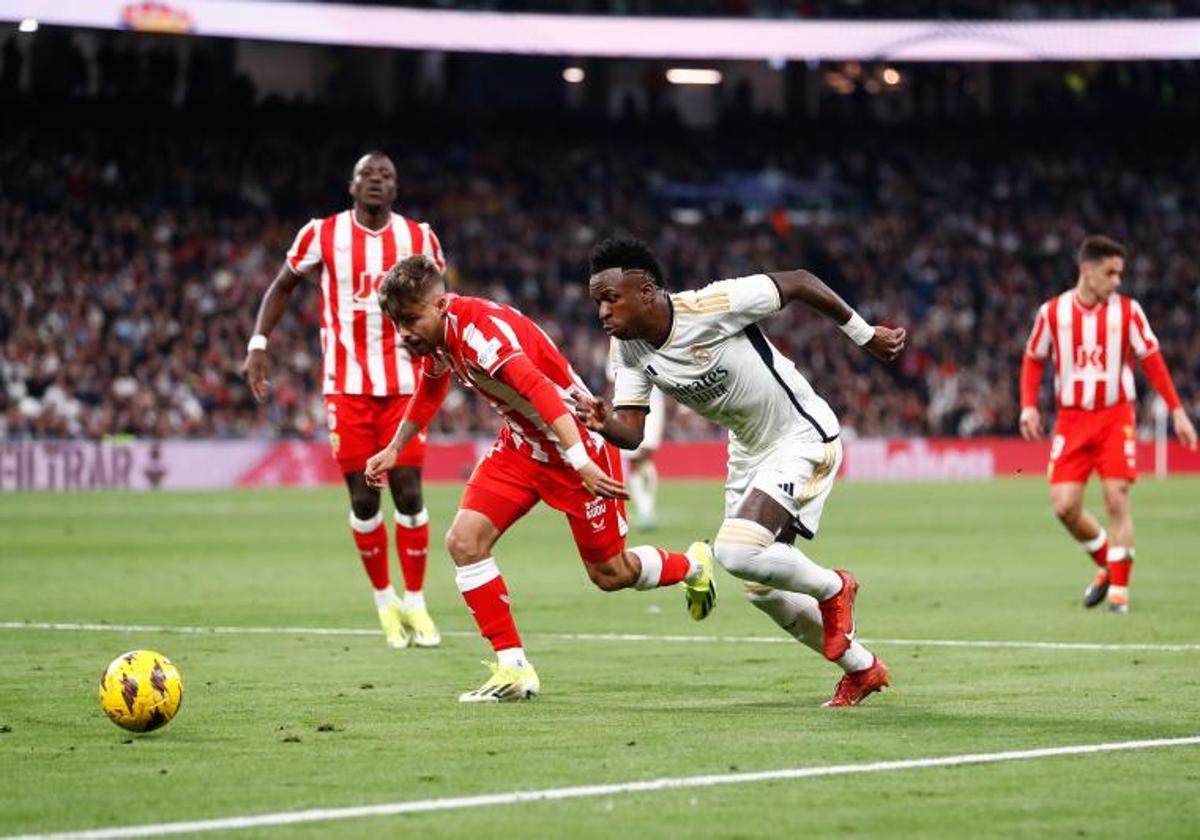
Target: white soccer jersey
{"type": "Point", "coordinates": [718, 363]}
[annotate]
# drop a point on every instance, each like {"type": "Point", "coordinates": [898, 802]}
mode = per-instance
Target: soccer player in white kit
{"type": "Point", "coordinates": [704, 349]}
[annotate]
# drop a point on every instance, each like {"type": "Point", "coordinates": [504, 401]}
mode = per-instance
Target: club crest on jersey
{"type": "Point", "coordinates": [700, 355]}
{"type": "Point", "coordinates": [366, 286]}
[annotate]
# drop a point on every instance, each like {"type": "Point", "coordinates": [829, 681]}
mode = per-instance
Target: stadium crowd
{"type": "Point", "coordinates": [134, 249]}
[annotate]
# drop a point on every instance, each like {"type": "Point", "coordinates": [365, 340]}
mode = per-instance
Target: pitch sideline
{"type": "Point", "coordinates": [195, 630]}
{"type": "Point", "coordinates": [557, 794]}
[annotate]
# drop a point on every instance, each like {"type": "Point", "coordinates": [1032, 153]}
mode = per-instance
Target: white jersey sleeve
{"type": "Point", "coordinates": [729, 306]}
{"type": "Point", "coordinates": [631, 386]}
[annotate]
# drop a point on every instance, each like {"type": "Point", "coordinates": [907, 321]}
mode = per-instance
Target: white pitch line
{"type": "Point", "coordinates": [557, 794]}
{"type": "Point", "coordinates": [194, 630]}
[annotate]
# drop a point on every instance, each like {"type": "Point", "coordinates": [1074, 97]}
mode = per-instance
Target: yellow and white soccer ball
{"type": "Point", "coordinates": [141, 690]}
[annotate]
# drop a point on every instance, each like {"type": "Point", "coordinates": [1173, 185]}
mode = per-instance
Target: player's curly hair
{"type": "Point", "coordinates": [409, 281]}
{"type": "Point", "coordinates": [627, 252]}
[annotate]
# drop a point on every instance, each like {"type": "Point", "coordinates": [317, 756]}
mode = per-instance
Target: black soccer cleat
{"type": "Point", "coordinates": [1096, 590]}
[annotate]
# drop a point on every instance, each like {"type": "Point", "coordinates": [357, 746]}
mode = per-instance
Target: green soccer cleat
{"type": "Point", "coordinates": [506, 684]}
{"type": "Point", "coordinates": [702, 592]}
{"type": "Point", "coordinates": [392, 621]}
{"type": "Point", "coordinates": [420, 627]}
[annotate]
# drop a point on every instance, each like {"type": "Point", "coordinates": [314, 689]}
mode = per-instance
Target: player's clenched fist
{"type": "Point", "coordinates": [378, 466]}
{"type": "Point", "coordinates": [590, 411]}
{"type": "Point", "coordinates": [887, 343]}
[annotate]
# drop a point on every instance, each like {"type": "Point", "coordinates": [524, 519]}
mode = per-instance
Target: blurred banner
{"type": "Point", "coordinates": [617, 36]}
{"type": "Point", "coordinates": [213, 465]}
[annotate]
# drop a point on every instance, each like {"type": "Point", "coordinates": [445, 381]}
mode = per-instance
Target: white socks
{"type": "Point", "coordinates": [800, 616]}
{"type": "Point", "coordinates": [512, 658]}
{"type": "Point", "coordinates": [748, 550]}
{"type": "Point", "coordinates": [652, 565]}
{"type": "Point", "coordinates": [386, 597]}
{"type": "Point", "coordinates": [1093, 545]}
{"type": "Point", "coordinates": [476, 575]}
{"type": "Point", "coordinates": [414, 600]}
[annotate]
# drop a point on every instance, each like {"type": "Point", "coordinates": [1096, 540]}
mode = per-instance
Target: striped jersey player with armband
{"type": "Point", "coordinates": [368, 379]}
{"type": "Point", "coordinates": [543, 453]}
{"type": "Point", "coordinates": [1091, 335]}
{"type": "Point", "coordinates": [705, 350]}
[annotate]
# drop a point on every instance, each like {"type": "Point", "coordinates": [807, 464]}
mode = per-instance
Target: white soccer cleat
{"type": "Point", "coordinates": [392, 621]}
{"type": "Point", "coordinates": [423, 633]}
{"type": "Point", "coordinates": [507, 684]}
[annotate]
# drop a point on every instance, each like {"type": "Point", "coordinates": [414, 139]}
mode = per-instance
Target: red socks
{"type": "Point", "coordinates": [675, 567]}
{"type": "Point", "coordinates": [1120, 566]}
{"type": "Point", "coordinates": [483, 589]}
{"type": "Point", "coordinates": [660, 567]}
{"type": "Point", "coordinates": [371, 538]}
{"type": "Point", "coordinates": [412, 544]}
{"type": "Point", "coordinates": [1097, 548]}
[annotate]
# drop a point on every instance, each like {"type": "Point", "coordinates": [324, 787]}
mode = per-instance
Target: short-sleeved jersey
{"type": "Point", "coordinates": [1092, 348]}
{"type": "Point", "coordinates": [360, 349]}
{"type": "Point", "coordinates": [481, 337]}
{"type": "Point", "coordinates": [718, 362]}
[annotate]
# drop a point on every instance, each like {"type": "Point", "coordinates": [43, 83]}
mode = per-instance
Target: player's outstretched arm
{"type": "Point", "coordinates": [802, 286]}
{"type": "Point", "coordinates": [520, 374]}
{"type": "Point", "coordinates": [623, 428]}
{"type": "Point", "coordinates": [274, 303]}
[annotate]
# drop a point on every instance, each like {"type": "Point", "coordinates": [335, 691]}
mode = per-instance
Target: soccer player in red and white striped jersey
{"type": "Point", "coordinates": [1091, 334]}
{"type": "Point", "coordinates": [368, 378]}
{"type": "Point", "coordinates": [543, 453]}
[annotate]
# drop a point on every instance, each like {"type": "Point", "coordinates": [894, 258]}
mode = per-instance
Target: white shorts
{"type": "Point", "coordinates": [652, 432]}
{"type": "Point", "coordinates": [798, 475]}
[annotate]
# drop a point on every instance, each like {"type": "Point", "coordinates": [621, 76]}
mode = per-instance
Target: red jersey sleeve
{"type": "Point", "coordinates": [305, 252]}
{"type": "Point", "coordinates": [488, 341]}
{"type": "Point", "coordinates": [1141, 337]}
{"type": "Point", "coordinates": [433, 248]}
{"type": "Point", "coordinates": [1038, 345]}
{"type": "Point", "coordinates": [432, 386]}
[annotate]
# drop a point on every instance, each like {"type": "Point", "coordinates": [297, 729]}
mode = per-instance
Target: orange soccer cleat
{"type": "Point", "coordinates": [837, 617]}
{"type": "Point", "coordinates": [853, 687]}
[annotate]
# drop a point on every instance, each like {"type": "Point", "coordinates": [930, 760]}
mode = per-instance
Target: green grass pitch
{"type": "Point", "coordinates": [936, 561]}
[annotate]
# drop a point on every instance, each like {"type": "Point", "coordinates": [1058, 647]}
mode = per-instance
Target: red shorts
{"type": "Point", "coordinates": [1102, 440]}
{"type": "Point", "coordinates": [507, 484]}
{"type": "Point", "coordinates": [359, 426]}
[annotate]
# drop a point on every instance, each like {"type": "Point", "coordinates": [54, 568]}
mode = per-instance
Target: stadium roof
{"type": "Point", "coordinates": [644, 37]}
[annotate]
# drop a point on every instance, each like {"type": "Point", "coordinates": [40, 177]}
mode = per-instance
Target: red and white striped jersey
{"type": "Point", "coordinates": [362, 354]}
{"type": "Point", "coordinates": [481, 336]}
{"type": "Point", "coordinates": [1092, 348]}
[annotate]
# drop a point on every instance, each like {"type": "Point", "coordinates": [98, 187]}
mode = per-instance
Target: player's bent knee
{"type": "Point", "coordinates": [738, 544]}
{"type": "Point", "coordinates": [364, 505]}
{"type": "Point", "coordinates": [739, 559]}
{"type": "Point", "coordinates": [464, 547]}
{"type": "Point", "coordinates": [612, 575]}
{"type": "Point", "coordinates": [1068, 510]}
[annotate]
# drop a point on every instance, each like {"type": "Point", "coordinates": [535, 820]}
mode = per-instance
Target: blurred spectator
{"type": "Point", "coordinates": [135, 240]}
